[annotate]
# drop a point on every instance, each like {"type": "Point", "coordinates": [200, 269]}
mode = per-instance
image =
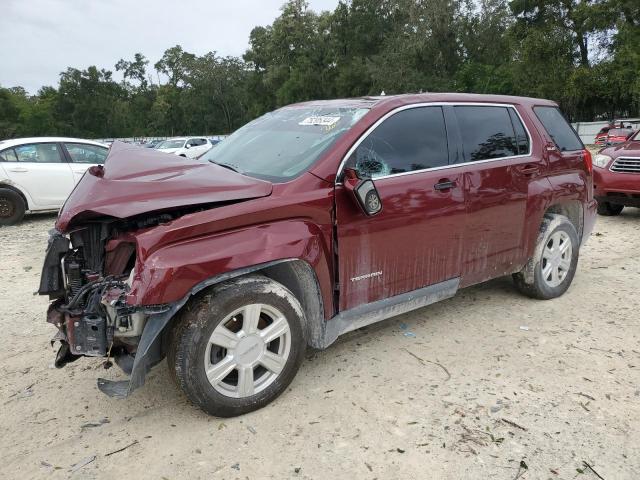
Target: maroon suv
{"type": "Point", "coordinates": [311, 221]}
{"type": "Point", "coordinates": [617, 176]}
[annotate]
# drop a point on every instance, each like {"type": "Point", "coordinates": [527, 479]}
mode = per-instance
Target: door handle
{"type": "Point", "coordinates": [444, 185]}
{"type": "Point", "coordinates": [18, 170]}
{"type": "Point", "coordinates": [528, 170]}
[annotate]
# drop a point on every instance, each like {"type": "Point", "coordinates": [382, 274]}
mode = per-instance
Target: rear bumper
{"type": "Point", "coordinates": [616, 188]}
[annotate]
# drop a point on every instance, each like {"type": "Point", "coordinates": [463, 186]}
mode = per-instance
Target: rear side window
{"type": "Point", "coordinates": [410, 140]}
{"type": "Point", "coordinates": [39, 153]}
{"type": "Point", "coordinates": [83, 153]}
{"type": "Point", "coordinates": [488, 132]}
{"type": "Point", "coordinates": [565, 137]}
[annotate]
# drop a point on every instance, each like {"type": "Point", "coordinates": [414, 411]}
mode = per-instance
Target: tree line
{"type": "Point", "coordinates": [584, 54]}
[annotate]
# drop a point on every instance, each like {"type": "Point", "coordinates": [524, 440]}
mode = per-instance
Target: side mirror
{"type": "Point", "coordinates": [188, 145]}
{"type": "Point", "coordinates": [363, 191]}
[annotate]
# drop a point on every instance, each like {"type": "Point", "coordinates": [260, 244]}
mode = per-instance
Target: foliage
{"type": "Point", "coordinates": [584, 54]}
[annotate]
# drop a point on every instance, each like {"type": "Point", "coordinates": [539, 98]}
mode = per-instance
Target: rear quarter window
{"type": "Point", "coordinates": [563, 135]}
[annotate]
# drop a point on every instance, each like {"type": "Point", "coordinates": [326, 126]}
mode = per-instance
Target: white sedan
{"type": "Point", "coordinates": [38, 174]}
{"type": "Point", "coordinates": [190, 147]}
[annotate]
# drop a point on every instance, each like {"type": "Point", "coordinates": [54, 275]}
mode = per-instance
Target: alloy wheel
{"type": "Point", "coordinates": [556, 258]}
{"type": "Point", "coordinates": [247, 350]}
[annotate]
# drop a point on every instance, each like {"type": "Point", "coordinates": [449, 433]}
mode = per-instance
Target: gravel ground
{"type": "Point", "coordinates": [488, 384]}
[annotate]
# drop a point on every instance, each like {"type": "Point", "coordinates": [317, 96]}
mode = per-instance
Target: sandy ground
{"type": "Point", "coordinates": [478, 386]}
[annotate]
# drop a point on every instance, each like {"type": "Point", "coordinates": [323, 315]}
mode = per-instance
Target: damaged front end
{"type": "Point", "coordinates": [97, 272]}
{"type": "Point", "coordinates": [88, 275]}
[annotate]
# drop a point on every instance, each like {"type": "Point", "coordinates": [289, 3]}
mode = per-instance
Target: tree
{"type": "Point", "coordinates": [581, 53]}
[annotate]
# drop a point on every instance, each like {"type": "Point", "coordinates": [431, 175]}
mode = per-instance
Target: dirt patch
{"type": "Point", "coordinates": [488, 384]}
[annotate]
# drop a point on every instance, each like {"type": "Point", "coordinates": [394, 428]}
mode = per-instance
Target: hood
{"type": "Point", "coordinates": [137, 180]}
{"type": "Point", "coordinates": [168, 150]}
{"type": "Point", "coordinates": [630, 148]}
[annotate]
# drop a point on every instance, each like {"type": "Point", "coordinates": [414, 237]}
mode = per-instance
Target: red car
{"type": "Point", "coordinates": [311, 221]}
{"type": "Point", "coordinates": [612, 133]}
{"type": "Point", "coordinates": [618, 135]}
{"type": "Point", "coordinates": [616, 176]}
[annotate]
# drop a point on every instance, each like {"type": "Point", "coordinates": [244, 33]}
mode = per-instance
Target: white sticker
{"type": "Point", "coordinates": [323, 121]}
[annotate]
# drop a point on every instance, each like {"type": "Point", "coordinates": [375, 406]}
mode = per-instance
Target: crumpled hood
{"type": "Point", "coordinates": [137, 180]}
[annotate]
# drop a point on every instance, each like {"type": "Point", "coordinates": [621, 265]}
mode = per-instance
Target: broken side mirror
{"type": "Point", "coordinates": [363, 191]}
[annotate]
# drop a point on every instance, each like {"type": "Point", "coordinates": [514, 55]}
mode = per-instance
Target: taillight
{"type": "Point", "coordinates": [588, 160]}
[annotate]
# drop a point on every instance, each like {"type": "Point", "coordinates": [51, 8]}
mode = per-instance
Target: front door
{"type": "Point", "coordinates": [42, 171]}
{"type": "Point", "coordinates": [416, 239]}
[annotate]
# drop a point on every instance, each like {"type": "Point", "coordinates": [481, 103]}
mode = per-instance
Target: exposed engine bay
{"type": "Point", "coordinates": [88, 275]}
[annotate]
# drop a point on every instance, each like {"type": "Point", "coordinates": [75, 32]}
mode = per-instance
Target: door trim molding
{"type": "Point", "coordinates": [363, 315]}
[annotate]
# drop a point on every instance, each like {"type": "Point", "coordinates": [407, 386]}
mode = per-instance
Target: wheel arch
{"type": "Point", "coordinates": [295, 274]}
{"type": "Point", "coordinates": [10, 186]}
{"type": "Point", "coordinates": [573, 210]}
{"type": "Point", "coordinates": [300, 278]}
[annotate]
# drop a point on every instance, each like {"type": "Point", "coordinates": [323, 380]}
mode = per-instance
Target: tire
{"type": "Point", "coordinates": [12, 207]}
{"type": "Point", "coordinates": [533, 280]}
{"type": "Point", "coordinates": [222, 309]}
{"type": "Point", "coordinates": [609, 209]}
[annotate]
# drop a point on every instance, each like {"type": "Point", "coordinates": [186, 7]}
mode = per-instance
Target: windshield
{"type": "Point", "coordinates": [283, 144]}
{"type": "Point", "coordinates": [171, 144]}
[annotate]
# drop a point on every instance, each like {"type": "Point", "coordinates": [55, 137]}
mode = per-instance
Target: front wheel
{"type": "Point", "coordinates": [550, 271]}
{"type": "Point", "coordinates": [609, 209]}
{"type": "Point", "coordinates": [238, 346]}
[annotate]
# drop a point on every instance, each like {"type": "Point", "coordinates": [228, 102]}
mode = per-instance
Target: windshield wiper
{"type": "Point", "coordinates": [227, 165]}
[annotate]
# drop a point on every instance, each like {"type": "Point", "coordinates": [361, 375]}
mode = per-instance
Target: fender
{"type": "Point", "coordinates": [168, 273]}
{"type": "Point", "coordinates": [566, 194]}
{"type": "Point", "coordinates": [149, 351]}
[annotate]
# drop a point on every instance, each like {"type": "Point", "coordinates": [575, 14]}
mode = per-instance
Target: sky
{"type": "Point", "coordinates": [41, 38]}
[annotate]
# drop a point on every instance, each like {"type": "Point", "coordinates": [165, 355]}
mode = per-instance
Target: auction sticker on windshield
{"type": "Point", "coordinates": [324, 121]}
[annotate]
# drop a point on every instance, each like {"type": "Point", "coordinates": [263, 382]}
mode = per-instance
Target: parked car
{"type": "Point", "coordinates": [618, 135]}
{"type": "Point", "coordinates": [616, 176]}
{"type": "Point", "coordinates": [190, 147]}
{"type": "Point", "coordinates": [38, 174]}
{"type": "Point", "coordinates": [601, 136]}
{"type": "Point", "coordinates": [309, 222]}
{"type": "Point", "coordinates": [153, 143]}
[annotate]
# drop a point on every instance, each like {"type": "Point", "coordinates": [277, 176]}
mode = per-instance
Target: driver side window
{"type": "Point", "coordinates": [410, 140]}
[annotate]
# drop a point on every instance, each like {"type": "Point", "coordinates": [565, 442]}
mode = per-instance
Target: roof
{"type": "Point", "coordinates": [409, 98]}
{"type": "Point", "coordinates": [21, 141]}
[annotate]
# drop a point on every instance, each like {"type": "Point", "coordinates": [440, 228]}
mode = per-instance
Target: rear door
{"type": "Point", "coordinates": [82, 156]}
{"type": "Point", "coordinates": [416, 240]}
{"type": "Point", "coordinates": [42, 171]}
{"type": "Point", "coordinates": [499, 168]}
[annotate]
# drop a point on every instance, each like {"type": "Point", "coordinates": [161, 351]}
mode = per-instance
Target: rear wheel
{"type": "Point", "coordinates": [550, 271]}
{"type": "Point", "coordinates": [12, 207]}
{"type": "Point", "coordinates": [609, 209]}
{"type": "Point", "coordinates": [236, 348]}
